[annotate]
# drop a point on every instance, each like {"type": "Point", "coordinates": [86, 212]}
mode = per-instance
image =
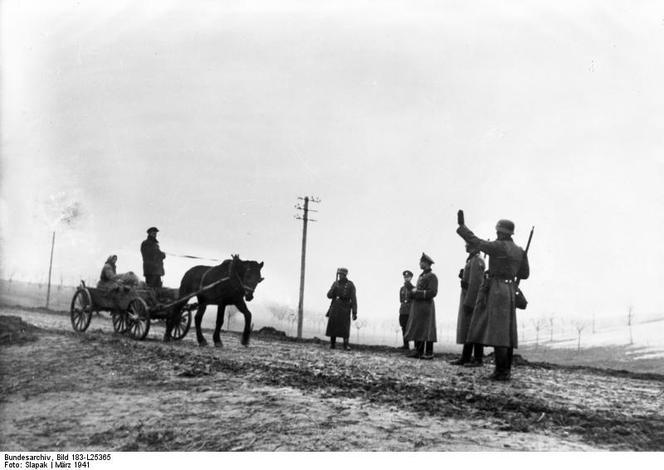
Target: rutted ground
{"type": "Point", "coordinates": [102, 391]}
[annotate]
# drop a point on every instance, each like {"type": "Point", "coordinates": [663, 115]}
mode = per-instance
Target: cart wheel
{"type": "Point", "coordinates": [81, 310]}
{"type": "Point", "coordinates": [138, 319]}
{"type": "Point", "coordinates": [181, 328]}
{"type": "Point", "coordinates": [120, 321]}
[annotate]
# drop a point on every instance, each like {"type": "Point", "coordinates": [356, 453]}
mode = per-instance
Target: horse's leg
{"type": "Point", "coordinates": [242, 307]}
{"type": "Point", "coordinates": [221, 309]}
{"type": "Point", "coordinates": [200, 311]}
{"type": "Point", "coordinates": [169, 327]}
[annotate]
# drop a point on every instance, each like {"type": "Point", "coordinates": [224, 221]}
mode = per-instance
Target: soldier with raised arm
{"type": "Point", "coordinates": [494, 319]}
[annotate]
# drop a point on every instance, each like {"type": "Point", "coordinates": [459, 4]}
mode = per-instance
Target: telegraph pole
{"type": "Point", "coordinates": [305, 219]}
{"type": "Point", "coordinates": [50, 268]}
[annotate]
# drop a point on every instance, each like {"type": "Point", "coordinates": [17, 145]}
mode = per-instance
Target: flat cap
{"type": "Point", "coordinates": [152, 229]}
{"type": "Point", "coordinates": [426, 258]}
{"type": "Point", "coordinates": [342, 271]}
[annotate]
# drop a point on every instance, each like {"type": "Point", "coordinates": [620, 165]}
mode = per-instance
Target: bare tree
{"type": "Point", "coordinates": [551, 321]}
{"type": "Point", "coordinates": [278, 311]}
{"type": "Point", "coordinates": [523, 330]}
{"type": "Point", "coordinates": [358, 325]}
{"type": "Point", "coordinates": [579, 325]}
{"type": "Point", "coordinates": [630, 316]}
{"type": "Point", "coordinates": [397, 330]}
{"type": "Point", "coordinates": [538, 326]}
{"type": "Point", "coordinates": [292, 320]}
{"type": "Point", "coordinates": [322, 320]}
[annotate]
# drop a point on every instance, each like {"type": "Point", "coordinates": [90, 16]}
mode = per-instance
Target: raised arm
{"type": "Point", "coordinates": [494, 248]}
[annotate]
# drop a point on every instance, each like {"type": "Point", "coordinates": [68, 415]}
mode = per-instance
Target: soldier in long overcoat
{"type": "Point", "coordinates": [343, 305]}
{"type": "Point", "coordinates": [422, 320]}
{"type": "Point", "coordinates": [153, 259]}
{"type": "Point", "coordinates": [471, 276]}
{"type": "Point", "coordinates": [494, 318]}
{"type": "Point", "coordinates": [404, 305]}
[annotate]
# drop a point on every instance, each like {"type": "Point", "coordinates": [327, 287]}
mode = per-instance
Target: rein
{"type": "Point", "coordinates": [231, 273]}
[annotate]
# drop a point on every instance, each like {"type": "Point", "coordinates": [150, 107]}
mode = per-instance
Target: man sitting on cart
{"type": "Point", "coordinates": [109, 280]}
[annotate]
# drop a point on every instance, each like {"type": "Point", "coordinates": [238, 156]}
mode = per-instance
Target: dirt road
{"type": "Point", "coordinates": [102, 391]}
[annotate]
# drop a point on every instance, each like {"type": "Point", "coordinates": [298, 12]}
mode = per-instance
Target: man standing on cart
{"type": "Point", "coordinates": [153, 259]}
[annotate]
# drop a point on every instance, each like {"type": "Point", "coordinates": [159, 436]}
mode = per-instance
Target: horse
{"type": "Point", "coordinates": [237, 281]}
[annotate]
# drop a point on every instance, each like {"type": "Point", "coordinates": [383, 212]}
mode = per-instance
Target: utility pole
{"type": "Point", "coordinates": [629, 324]}
{"type": "Point", "coordinates": [305, 219]}
{"type": "Point", "coordinates": [50, 268]}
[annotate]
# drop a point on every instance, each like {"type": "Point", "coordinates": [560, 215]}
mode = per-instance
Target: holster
{"type": "Point", "coordinates": [519, 299]}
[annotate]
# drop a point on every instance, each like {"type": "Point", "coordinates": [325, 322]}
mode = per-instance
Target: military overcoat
{"type": "Point", "coordinates": [344, 303]}
{"type": "Point", "coordinates": [422, 319]}
{"type": "Point", "coordinates": [473, 275]}
{"type": "Point", "coordinates": [494, 318]}
{"type": "Point", "coordinates": [153, 257]}
{"type": "Point", "coordinates": [404, 299]}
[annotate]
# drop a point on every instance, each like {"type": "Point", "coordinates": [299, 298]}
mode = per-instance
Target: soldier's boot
{"type": "Point", "coordinates": [333, 342]}
{"type": "Point", "coordinates": [502, 371]}
{"type": "Point", "coordinates": [346, 345]}
{"type": "Point", "coordinates": [510, 358]}
{"type": "Point", "coordinates": [428, 351]}
{"type": "Point", "coordinates": [405, 346]}
{"type": "Point", "coordinates": [465, 355]}
{"type": "Point", "coordinates": [418, 350]}
{"type": "Point", "coordinates": [478, 356]}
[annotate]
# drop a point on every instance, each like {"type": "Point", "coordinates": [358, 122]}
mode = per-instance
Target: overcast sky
{"type": "Point", "coordinates": [208, 119]}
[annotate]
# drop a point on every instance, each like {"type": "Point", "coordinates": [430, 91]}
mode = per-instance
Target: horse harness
{"type": "Point", "coordinates": [246, 288]}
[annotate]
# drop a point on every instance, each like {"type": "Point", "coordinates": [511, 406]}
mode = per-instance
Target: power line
{"type": "Point", "coordinates": [305, 220]}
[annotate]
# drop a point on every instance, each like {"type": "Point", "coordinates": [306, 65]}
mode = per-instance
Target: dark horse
{"type": "Point", "coordinates": [237, 281]}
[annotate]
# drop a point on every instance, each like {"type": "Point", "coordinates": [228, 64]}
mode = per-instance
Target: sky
{"type": "Point", "coordinates": [209, 120]}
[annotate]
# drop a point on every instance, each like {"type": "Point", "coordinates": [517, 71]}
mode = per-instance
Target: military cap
{"type": "Point", "coordinates": [505, 226]}
{"type": "Point", "coordinates": [152, 229]}
{"type": "Point", "coordinates": [426, 258]}
{"type": "Point", "coordinates": [407, 273]}
{"type": "Point", "coordinates": [342, 271]}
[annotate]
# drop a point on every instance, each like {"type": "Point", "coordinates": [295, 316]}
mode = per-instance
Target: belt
{"type": "Point", "coordinates": [506, 281]}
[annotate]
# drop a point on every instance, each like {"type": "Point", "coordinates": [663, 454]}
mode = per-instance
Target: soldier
{"type": "Point", "coordinates": [153, 259]}
{"type": "Point", "coordinates": [421, 326]}
{"type": "Point", "coordinates": [471, 276]}
{"type": "Point", "coordinates": [344, 302]}
{"type": "Point", "coordinates": [404, 308]}
{"type": "Point", "coordinates": [494, 319]}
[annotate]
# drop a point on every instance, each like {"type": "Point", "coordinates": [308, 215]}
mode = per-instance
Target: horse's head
{"type": "Point", "coordinates": [249, 273]}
